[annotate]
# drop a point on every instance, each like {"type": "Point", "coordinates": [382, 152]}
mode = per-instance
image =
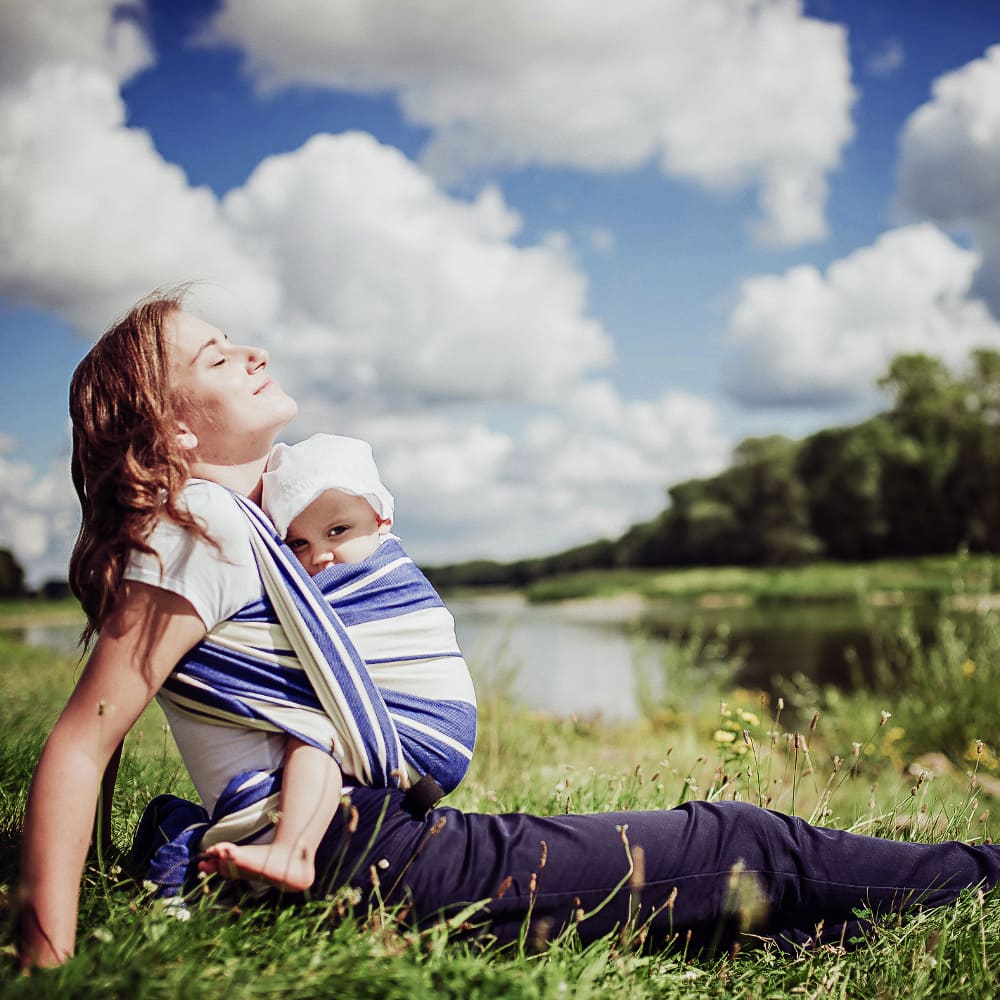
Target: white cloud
{"type": "Point", "coordinates": [100, 34]}
{"type": "Point", "coordinates": [805, 337]}
{"type": "Point", "coordinates": [398, 295]}
{"type": "Point", "coordinates": [728, 93]}
{"type": "Point", "coordinates": [950, 161]}
{"type": "Point", "coordinates": [584, 470]}
{"type": "Point", "coordinates": [92, 217]}
{"type": "Point", "coordinates": [393, 308]}
{"type": "Point", "coordinates": [39, 517]}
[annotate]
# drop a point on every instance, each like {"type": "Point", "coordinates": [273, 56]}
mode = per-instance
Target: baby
{"type": "Point", "coordinates": [325, 497]}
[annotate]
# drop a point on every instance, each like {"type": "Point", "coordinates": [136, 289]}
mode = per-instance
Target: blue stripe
{"type": "Point", "coordinates": [231, 677]}
{"type": "Point", "coordinates": [382, 762]}
{"type": "Point", "coordinates": [411, 658]}
{"type": "Point", "coordinates": [456, 718]}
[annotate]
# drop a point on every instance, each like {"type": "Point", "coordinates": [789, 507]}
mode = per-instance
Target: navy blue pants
{"type": "Point", "coordinates": [708, 867]}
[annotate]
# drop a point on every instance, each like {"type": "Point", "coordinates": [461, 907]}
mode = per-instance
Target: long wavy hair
{"type": "Point", "coordinates": [128, 467]}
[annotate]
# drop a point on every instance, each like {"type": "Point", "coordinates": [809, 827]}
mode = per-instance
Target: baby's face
{"type": "Point", "coordinates": [335, 527]}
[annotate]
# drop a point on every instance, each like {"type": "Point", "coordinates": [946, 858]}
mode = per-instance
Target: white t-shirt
{"type": "Point", "coordinates": [217, 583]}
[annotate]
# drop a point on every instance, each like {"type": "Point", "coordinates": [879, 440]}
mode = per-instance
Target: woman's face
{"type": "Point", "coordinates": [228, 406]}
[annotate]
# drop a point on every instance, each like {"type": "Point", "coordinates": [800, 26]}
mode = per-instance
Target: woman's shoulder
{"type": "Point", "coordinates": [216, 508]}
{"type": "Point", "coordinates": [218, 574]}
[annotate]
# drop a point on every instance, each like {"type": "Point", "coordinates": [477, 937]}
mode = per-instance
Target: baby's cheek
{"type": "Point", "coordinates": [357, 549]}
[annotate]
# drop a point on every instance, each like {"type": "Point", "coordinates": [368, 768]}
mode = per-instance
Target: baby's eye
{"type": "Point", "coordinates": [338, 530]}
{"type": "Point", "coordinates": [220, 362]}
{"type": "Point", "coordinates": [296, 543]}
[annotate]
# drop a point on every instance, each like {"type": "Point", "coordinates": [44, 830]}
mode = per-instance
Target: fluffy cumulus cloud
{"type": "Point", "coordinates": [39, 517]}
{"type": "Point", "coordinates": [92, 216]}
{"type": "Point", "coordinates": [410, 297]}
{"type": "Point", "coordinates": [813, 338]}
{"type": "Point", "coordinates": [104, 34]}
{"type": "Point", "coordinates": [394, 310]}
{"type": "Point", "coordinates": [570, 474]}
{"type": "Point", "coordinates": [950, 161]}
{"type": "Point", "coordinates": [727, 93]}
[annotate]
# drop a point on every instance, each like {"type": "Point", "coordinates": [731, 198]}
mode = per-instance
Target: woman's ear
{"type": "Point", "coordinates": [186, 437]}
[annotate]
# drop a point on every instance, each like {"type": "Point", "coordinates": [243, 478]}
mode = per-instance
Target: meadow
{"type": "Point", "coordinates": [913, 759]}
{"type": "Point", "coordinates": [934, 578]}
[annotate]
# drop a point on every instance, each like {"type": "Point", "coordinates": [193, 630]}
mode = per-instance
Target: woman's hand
{"type": "Point", "coordinates": [148, 632]}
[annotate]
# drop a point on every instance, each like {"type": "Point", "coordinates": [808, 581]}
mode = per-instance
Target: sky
{"type": "Point", "coordinates": [548, 258]}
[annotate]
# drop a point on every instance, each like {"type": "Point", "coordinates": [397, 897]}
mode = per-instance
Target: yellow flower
{"type": "Point", "coordinates": [723, 736]}
{"type": "Point", "coordinates": [968, 668]}
{"type": "Point", "coordinates": [892, 735]}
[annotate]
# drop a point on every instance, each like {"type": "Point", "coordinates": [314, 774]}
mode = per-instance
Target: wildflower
{"type": "Point", "coordinates": [723, 736]}
{"type": "Point", "coordinates": [894, 734]}
{"type": "Point", "coordinates": [979, 748]}
{"type": "Point", "coordinates": [746, 738]}
{"type": "Point", "coordinates": [884, 717]}
{"type": "Point", "coordinates": [968, 668]}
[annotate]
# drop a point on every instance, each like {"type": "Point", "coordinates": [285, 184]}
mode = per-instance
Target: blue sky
{"type": "Point", "coordinates": [549, 259]}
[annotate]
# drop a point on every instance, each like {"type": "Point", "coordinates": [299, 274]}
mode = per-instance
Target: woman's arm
{"type": "Point", "coordinates": [148, 632]}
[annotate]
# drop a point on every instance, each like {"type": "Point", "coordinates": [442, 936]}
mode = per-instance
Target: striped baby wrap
{"type": "Point", "coordinates": [360, 661]}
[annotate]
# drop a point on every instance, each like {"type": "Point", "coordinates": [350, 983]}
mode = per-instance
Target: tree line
{"type": "Point", "coordinates": [923, 477]}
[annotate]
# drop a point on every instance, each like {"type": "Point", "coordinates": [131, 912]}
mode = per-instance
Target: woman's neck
{"type": "Point", "coordinates": [244, 478]}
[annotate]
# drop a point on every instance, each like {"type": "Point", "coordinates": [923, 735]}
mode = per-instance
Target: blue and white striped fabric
{"type": "Point", "coordinates": [360, 661]}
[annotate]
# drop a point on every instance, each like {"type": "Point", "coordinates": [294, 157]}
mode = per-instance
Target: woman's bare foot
{"type": "Point", "coordinates": [289, 868]}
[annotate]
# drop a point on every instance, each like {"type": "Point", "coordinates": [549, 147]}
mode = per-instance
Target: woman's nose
{"type": "Point", "coordinates": [257, 357]}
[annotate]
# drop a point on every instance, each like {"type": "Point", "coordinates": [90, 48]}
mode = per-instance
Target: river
{"type": "Point", "coordinates": [582, 657]}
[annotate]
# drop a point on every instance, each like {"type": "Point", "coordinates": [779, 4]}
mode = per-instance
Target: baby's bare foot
{"type": "Point", "coordinates": [289, 868]}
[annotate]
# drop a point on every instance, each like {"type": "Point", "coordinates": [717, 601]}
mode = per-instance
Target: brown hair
{"type": "Point", "coordinates": [128, 467]}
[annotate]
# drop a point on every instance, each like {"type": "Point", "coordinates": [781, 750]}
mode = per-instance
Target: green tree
{"type": "Point", "coordinates": [756, 512]}
{"type": "Point", "coordinates": [975, 481]}
{"type": "Point", "coordinates": [11, 575]}
{"type": "Point", "coordinates": [841, 471]}
{"type": "Point", "coordinates": [921, 465]}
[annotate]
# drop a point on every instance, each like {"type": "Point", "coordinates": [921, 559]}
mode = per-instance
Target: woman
{"type": "Point", "coordinates": [164, 398]}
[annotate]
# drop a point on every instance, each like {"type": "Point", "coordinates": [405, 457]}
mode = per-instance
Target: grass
{"type": "Point", "coordinates": [924, 578]}
{"type": "Point", "coordinates": [698, 737]}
